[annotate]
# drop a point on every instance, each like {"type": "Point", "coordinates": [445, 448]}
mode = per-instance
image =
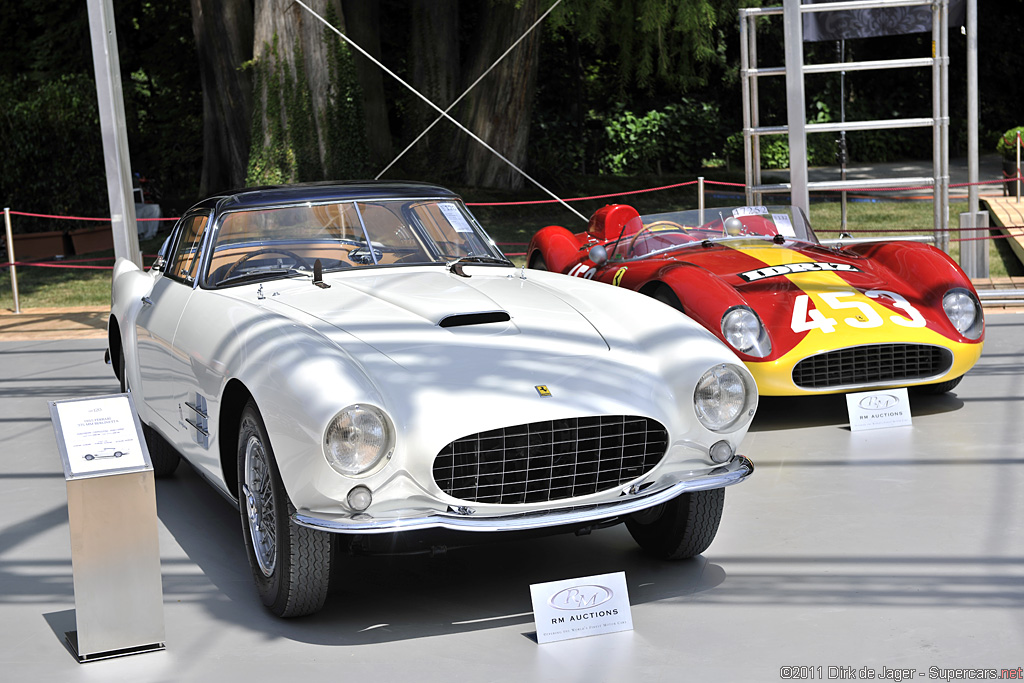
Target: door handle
{"type": "Point", "coordinates": [146, 301]}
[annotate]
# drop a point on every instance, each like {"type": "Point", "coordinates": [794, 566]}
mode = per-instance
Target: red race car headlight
{"type": "Point", "coordinates": [744, 332]}
{"type": "Point", "coordinates": [964, 311]}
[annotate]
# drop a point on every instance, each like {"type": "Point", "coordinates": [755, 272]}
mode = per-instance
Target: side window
{"type": "Point", "coordinates": [183, 264]}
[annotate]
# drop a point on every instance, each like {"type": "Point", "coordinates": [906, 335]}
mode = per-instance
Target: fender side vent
{"type": "Point", "coordinates": [462, 319]}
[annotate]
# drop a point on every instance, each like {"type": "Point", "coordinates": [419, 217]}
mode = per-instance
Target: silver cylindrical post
{"type": "Point", "coordinates": [700, 200]}
{"type": "Point", "coordinates": [10, 258]}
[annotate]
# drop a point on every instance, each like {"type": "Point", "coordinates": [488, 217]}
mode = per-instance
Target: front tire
{"type": "Point", "coordinates": [291, 564]}
{"type": "Point", "coordinates": [685, 527]}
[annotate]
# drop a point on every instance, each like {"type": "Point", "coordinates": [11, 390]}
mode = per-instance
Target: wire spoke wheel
{"type": "Point", "coordinates": [291, 564]}
{"type": "Point", "coordinates": [259, 504]}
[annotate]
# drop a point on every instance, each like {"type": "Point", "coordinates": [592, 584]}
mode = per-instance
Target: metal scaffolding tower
{"type": "Point", "coordinates": [797, 128]}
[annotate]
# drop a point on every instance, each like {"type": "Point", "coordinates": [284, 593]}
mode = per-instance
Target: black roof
{"type": "Point", "coordinates": [257, 197]}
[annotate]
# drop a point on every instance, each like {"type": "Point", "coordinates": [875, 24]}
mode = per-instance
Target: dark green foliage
{"type": "Point", "coordinates": [285, 140]}
{"type": "Point", "coordinates": [53, 156]}
{"type": "Point", "coordinates": [271, 159]}
{"type": "Point", "coordinates": [301, 123]}
{"type": "Point", "coordinates": [1007, 143]}
{"type": "Point", "coordinates": [345, 134]}
{"type": "Point", "coordinates": [675, 138]}
{"type": "Point", "coordinates": [52, 144]}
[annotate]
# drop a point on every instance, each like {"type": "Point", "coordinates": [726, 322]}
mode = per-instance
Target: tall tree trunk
{"type": "Point", "coordinates": [434, 63]}
{"type": "Point", "coordinates": [500, 107]}
{"type": "Point", "coordinates": [223, 31]}
{"type": "Point", "coordinates": [362, 25]}
{"type": "Point", "coordinates": [292, 90]}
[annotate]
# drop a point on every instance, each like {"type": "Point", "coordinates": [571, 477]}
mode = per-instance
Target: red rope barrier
{"type": "Point", "coordinates": [54, 265]}
{"type": "Point", "coordinates": [80, 218]}
{"type": "Point", "coordinates": [581, 199]}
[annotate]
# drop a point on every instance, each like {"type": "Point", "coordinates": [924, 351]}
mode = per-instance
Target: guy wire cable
{"type": "Point", "coordinates": [459, 98]}
{"type": "Point", "coordinates": [439, 110]}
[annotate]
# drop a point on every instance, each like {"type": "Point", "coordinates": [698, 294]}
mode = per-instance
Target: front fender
{"type": "Point", "coordinates": [559, 247]}
{"type": "Point", "coordinates": [925, 270]}
{"type": "Point", "coordinates": [299, 379]}
{"type": "Point", "coordinates": [705, 297]}
{"type": "Point", "coordinates": [129, 284]}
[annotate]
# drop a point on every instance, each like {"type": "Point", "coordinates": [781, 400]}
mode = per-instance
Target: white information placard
{"type": "Point", "coordinates": [783, 224]}
{"type": "Point", "coordinates": [99, 435]}
{"type": "Point", "coordinates": [878, 409]}
{"type": "Point", "coordinates": [576, 608]}
{"type": "Point", "coordinates": [750, 211]}
{"type": "Point", "coordinates": [455, 217]}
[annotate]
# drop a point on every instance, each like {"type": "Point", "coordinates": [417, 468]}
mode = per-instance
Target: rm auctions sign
{"type": "Point", "coordinates": [878, 409]}
{"type": "Point", "coordinates": [575, 608]}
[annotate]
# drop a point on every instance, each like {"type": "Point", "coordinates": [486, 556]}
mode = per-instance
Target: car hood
{"type": "Point", "coordinates": [403, 313]}
{"type": "Point", "coordinates": [559, 337]}
{"type": "Point", "coordinates": [754, 267]}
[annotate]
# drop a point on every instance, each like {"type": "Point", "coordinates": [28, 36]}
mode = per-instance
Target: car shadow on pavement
{"type": "Point", "coordinates": [386, 598]}
{"type": "Point", "coordinates": [776, 413]}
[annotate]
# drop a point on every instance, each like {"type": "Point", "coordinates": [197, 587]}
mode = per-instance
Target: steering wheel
{"type": "Point", "coordinates": [299, 261]}
{"type": "Point", "coordinates": [651, 226]}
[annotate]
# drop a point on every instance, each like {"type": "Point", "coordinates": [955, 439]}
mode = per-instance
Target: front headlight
{"type": "Point", "coordinates": [743, 330]}
{"type": "Point", "coordinates": [964, 311]}
{"type": "Point", "coordinates": [721, 397]}
{"type": "Point", "coordinates": [357, 439]}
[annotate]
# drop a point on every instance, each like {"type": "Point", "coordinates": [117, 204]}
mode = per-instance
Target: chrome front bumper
{"type": "Point", "coordinates": [732, 472]}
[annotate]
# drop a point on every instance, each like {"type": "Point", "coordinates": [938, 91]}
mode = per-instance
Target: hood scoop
{"type": "Point", "coordinates": [464, 319]}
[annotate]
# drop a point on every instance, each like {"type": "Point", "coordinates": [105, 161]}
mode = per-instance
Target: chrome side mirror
{"type": "Point", "coordinates": [598, 254]}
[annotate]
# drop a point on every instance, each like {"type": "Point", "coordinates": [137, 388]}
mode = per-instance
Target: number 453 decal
{"type": "Point", "coordinates": [806, 318]}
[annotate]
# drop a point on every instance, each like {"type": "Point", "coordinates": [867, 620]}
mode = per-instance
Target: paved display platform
{"type": "Point", "coordinates": [893, 549]}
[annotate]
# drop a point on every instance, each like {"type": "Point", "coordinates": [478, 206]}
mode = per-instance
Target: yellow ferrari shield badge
{"type": "Point", "coordinates": [618, 276]}
{"type": "Point", "coordinates": [543, 390]}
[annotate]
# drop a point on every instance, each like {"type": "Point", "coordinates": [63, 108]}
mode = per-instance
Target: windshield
{"type": "Point", "coordinates": [274, 242]}
{"type": "Point", "coordinates": [656, 233]}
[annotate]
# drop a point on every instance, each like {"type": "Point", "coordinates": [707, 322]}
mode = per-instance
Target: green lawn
{"type": "Point", "coordinates": [512, 226]}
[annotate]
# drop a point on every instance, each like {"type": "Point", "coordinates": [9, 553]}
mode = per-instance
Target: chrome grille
{"type": "Point", "coordinates": [550, 460]}
{"type": "Point", "coordinates": [874, 364]}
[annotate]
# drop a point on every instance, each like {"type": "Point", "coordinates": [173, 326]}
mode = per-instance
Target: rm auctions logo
{"type": "Point", "coordinates": [581, 597]}
{"type": "Point", "coordinates": [878, 402]}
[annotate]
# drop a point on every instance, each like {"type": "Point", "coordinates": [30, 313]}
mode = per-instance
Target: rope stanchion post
{"type": "Point", "coordinates": [700, 199]}
{"type": "Point", "coordinates": [1018, 168]}
{"type": "Point", "coordinates": [10, 258]}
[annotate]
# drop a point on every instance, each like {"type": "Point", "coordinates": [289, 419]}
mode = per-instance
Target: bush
{"type": "Point", "coordinates": [1007, 145]}
{"type": "Point", "coordinates": [677, 137]}
{"type": "Point", "coordinates": [53, 151]}
{"type": "Point", "coordinates": [821, 150]}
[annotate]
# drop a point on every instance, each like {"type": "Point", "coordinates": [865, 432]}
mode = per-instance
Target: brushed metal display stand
{"type": "Point", "coordinates": [115, 553]}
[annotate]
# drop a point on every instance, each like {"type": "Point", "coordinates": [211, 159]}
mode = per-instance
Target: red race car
{"type": "Point", "coordinates": [805, 318]}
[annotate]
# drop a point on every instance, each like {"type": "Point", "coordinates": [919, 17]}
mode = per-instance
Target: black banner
{"type": "Point", "coordinates": [870, 23]}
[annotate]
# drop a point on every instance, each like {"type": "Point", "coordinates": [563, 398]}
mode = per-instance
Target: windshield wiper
{"type": "Point", "coordinates": [255, 275]}
{"type": "Point", "coordinates": [456, 265]}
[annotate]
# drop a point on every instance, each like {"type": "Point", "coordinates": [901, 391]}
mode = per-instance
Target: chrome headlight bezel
{"type": "Point", "coordinates": [723, 396]}
{"type": "Point", "coordinates": [743, 330]}
{"type": "Point", "coordinates": [964, 312]}
{"type": "Point", "coordinates": [358, 439]}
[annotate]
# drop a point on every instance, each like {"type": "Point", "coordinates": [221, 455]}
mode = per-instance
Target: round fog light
{"type": "Point", "coordinates": [359, 498]}
{"type": "Point", "coordinates": [721, 452]}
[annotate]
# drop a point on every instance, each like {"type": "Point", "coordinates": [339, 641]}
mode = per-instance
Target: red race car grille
{"type": "Point", "coordinates": [869, 365]}
{"type": "Point", "coordinates": [551, 460]}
